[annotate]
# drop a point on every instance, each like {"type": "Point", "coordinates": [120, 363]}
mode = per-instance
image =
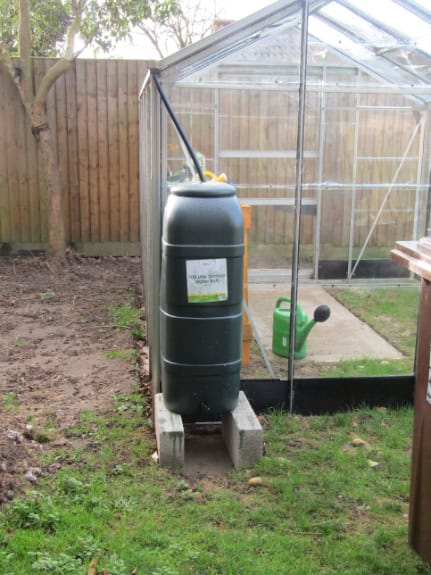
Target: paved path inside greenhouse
{"type": "Point", "coordinates": [342, 336]}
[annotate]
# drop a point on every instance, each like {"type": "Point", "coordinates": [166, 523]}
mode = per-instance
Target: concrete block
{"type": "Point", "coordinates": [243, 434]}
{"type": "Point", "coordinates": [169, 435]}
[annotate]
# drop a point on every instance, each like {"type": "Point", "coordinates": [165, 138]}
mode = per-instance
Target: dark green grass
{"type": "Point", "coordinates": [320, 508]}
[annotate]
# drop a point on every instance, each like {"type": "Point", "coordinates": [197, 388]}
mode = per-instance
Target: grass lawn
{"type": "Point", "coordinates": [391, 312]}
{"type": "Point", "coordinates": [332, 498]}
{"type": "Point", "coordinates": [324, 506]}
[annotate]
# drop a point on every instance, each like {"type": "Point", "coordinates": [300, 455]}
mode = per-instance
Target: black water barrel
{"type": "Point", "coordinates": [201, 299]}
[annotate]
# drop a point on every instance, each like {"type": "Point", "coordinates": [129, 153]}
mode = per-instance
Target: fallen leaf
{"type": "Point", "coordinates": [92, 568]}
{"type": "Point", "coordinates": [358, 442]}
{"type": "Point", "coordinates": [255, 481]}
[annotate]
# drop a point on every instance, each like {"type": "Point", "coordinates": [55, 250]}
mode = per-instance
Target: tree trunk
{"type": "Point", "coordinates": [53, 180]}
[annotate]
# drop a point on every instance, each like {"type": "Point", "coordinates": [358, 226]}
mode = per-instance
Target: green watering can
{"type": "Point", "coordinates": [281, 325]}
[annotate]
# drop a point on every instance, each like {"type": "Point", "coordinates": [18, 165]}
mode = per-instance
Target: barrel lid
{"type": "Point", "coordinates": [203, 189]}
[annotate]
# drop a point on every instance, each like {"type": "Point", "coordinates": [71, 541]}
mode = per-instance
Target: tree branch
{"type": "Point", "coordinates": [8, 65]}
{"type": "Point", "coordinates": [62, 65]}
{"type": "Point", "coordinates": [25, 59]}
{"type": "Point", "coordinates": [152, 36]}
{"type": "Point", "coordinates": [69, 52]}
{"type": "Point", "coordinates": [57, 70]}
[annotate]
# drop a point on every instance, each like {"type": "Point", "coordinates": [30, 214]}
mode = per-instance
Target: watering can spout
{"type": "Point", "coordinates": [321, 314]}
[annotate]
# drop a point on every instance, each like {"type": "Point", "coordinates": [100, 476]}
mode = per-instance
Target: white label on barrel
{"type": "Point", "coordinates": [206, 280]}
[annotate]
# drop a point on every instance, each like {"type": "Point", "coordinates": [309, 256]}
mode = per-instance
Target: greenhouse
{"type": "Point", "coordinates": [319, 113]}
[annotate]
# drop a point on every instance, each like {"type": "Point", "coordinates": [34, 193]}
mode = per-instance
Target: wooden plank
{"type": "Point", "coordinates": [33, 184]}
{"type": "Point", "coordinates": [90, 193]}
{"type": "Point", "coordinates": [5, 224]}
{"type": "Point", "coordinates": [13, 161]}
{"type": "Point", "coordinates": [287, 135]}
{"type": "Point", "coordinates": [134, 82]}
{"type": "Point", "coordinates": [209, 126]}
{"type": "Point", "coordinates": [22, 171]}
{"type": "Point", "coordinates": [374, 201]}
{"type": "Point", "coordinates": [72, 200]}
{"type": "Point", "coordinates": [39, 200]}
{"type": "Point", "coordinates": [243, 138]}
{"type": "Point", "coordinates": [103, 149]}
{"type": "Point", "coordinates": [124, 151]}
{"type": "Point", "coordinates": [278, 112]}
{"type": "Point", "coordinates": [113, 151]}
{"type": "Point", "coordinates": [83, 90]}
{"type": "Point", "coordinates": [264, 217]}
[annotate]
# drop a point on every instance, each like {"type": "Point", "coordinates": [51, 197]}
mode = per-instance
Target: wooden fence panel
{"type": "Point", "coordinates": [93, 115]}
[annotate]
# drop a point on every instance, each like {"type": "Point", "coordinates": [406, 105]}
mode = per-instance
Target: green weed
{"type": "Point", "coordinates": [10, 401]}
{"type": "Point", "coordinates": [35, 512]}
{"type": "Point", "coordinates": [121, 354]}
{"type": "Point", "coordinates": [127, 316]}
{"type": "Point", "coordinates": [47, 295]}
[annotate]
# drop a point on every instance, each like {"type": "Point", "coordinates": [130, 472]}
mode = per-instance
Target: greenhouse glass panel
{"type": "Point", "coordinates": [371, 185]}
{"type": "Point", "coordinates": [365, 165]}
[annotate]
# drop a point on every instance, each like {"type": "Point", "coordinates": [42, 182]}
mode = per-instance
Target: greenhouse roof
{"type": "Point", "coordinates": [390, 40]}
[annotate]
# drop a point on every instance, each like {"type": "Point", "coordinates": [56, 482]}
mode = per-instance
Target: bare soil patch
{"type": "Point", "coordinates": [56, 332]}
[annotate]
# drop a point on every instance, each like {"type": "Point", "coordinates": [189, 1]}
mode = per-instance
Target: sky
{"type": "Point", "coordinates": [240, 9]}
{"type": "Point", "coordinates": [141, 47]}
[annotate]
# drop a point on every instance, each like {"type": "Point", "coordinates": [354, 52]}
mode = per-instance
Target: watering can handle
{"type": "Point", "coordinates": [281, 300]}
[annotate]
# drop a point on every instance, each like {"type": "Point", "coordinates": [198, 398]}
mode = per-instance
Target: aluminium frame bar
{"type": "Point", "coordinates": [362, 42]}
{"type": "Point", "coordinates": [340, 88]}
{"type": "Point", "coordinates": [298, 198]}
{"type": "Point", "coordinates": [414, 8]}
{"type": "Point", "coordinates": [379, 23]}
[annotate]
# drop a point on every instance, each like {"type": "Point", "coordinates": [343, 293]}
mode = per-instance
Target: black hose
{"type": "Point", "coordinates": [178, 125]}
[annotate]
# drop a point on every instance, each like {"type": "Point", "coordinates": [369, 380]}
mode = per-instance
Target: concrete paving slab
{"type": "Point", "coordinates": [342, 336]}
